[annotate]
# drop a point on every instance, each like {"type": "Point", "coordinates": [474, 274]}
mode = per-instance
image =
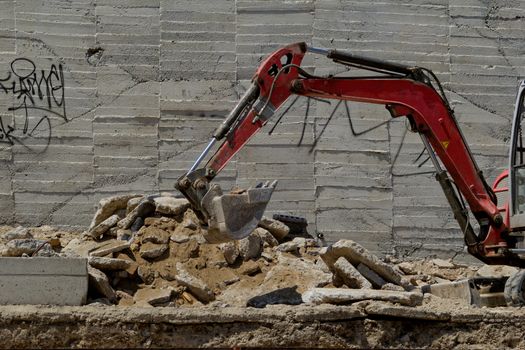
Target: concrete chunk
{"type": "Point", "coordinates": [275, 227]}
{"type": "Point", "coordinates": [144, 208]}
{"type": "Point", "coordinates": [196, 286]}
{"type": "Point", "coordinates": [445, 264]}
{"type": "Point", "coordinates": [81, 248]}
{"type": "Point", "coordinates": [132, 204]}
{"type": "Point", "coordinates": [171, 205]}
{"type": "Point", "coordinates": [356, 254]}
{"type": "Point", "coordinates": [18, 247]}
{"type": "Point", "coordinates": [108, 206]}
{"type": "Point", "coordinates": [49, 281]}
{"type": "Point", "coordinates": [155, 235]}
{"type": "Point", "coordinates": [266, 236]}
{"type": "Point", "coordinates": [111, 246]}
{"type": "Point", "coordinates": [99, 281]}
{"type": "Point", "coordinates": [292, 246]}
{"type": "Point", "coordinates": [152, 251]}
{"type": "Point", "coordinates": [179, 238]}
{"type": "Point", "coordinates": [108, 263]}
{"type": "Point", "coordinates": [496, 271]}
{"type": "Point", "coordinates": [17, 233]}
{"type": "Point", "coordinates": [344, 296]}
{"type": "Point", "coordinates": [250, 247]}
{"type": "Point", "coordinates": [104, 226]}
{"type": "Point", "coordinates": [349, 274]}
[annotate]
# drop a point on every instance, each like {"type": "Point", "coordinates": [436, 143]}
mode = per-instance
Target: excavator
{"type": "Point", "coordinates": [406, 91]}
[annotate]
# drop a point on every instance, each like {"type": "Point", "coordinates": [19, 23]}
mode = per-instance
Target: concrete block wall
{"type": "Point", "coordinates": [138, 88]}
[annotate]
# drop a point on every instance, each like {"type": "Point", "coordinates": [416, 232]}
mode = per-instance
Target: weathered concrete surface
{"type": "Point", "coordinates": [48, 281]}
{"type": "Point", "coordinates": [146, 83]}
{"type": "Point", "coordinates": [364, 325]}
{"type": "Point", "coordinates": [349, 274]}
{"type": "Point", "coordinates": [357, 255]}
{"type": "Point", "coordinates": [346, 295]}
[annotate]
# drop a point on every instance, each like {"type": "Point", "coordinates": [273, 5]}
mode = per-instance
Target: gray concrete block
{"type": "Point", "coordinates": [47, 281]}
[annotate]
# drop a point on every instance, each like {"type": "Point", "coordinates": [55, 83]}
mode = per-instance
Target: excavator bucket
{"type": "Point", "coordinates": [234, 216]}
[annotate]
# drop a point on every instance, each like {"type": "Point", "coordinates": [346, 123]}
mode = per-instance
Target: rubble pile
{"type": "Point", "coordinates": [151, 251]}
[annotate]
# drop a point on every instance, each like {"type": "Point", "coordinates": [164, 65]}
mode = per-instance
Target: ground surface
{"type": "Point", "coordinates": [362, 325]}
{"type": "Point", "coordinates": [176, 290]}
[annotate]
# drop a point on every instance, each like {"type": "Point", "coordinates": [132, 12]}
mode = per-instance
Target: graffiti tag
{"type": "Point", "coordinates": [37, 95]}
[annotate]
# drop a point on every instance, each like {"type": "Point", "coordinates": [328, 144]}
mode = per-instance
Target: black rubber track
{"type": "Point", "coordinates": [514, 293]}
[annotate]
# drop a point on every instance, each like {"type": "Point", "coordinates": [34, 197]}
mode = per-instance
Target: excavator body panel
{"type": "Point", "coordinates": [517, 164]}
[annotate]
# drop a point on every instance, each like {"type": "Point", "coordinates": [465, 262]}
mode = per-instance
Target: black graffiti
{"type": "Point", "coordinates": [35, 92]}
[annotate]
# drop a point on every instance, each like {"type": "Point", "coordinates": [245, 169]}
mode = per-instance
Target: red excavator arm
{"type": "Point", "coordinates": [405, 91]}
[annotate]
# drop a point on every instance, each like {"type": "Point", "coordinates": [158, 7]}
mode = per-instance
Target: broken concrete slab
{"type": "Point", "coordinates": [463, 290]}
{"type": "Point", "coordinates": [250, 247]}
{"type": "Point", "coordinates": [349, 275]}
{"type": "Point", "coordinates": [143, 209]}
{"type": "Point", "coordinates": [371, 276]}
{"type": "Point", "coordinates": [18, 247]}
{"type": "Point", "coordinates": [132, 203]}
{"type": "Point", "coordinates": [391, 286]}
{"type": "Point", "coordinates": [104, 226]}
{"type": "Point", "coordinates": [99, 281]}
{"type": "Point", "coordinates": [345, 296]}
{"type": "Point", "coordinates": [42, 280]}
{"type": "Point", "coordinates": [292, 246]}
{"type": "Point", "coordinates": [179, 238]}
{"type": "Point", "coordinates": [80, 247]}
{"type": "Point", "coordinates": [171, 205]}
{"type": "Point", "coordinates": [388, 310]}
{"type": "Point", "coordinates": [266, 237]}
{"type": "Point", "coordinates": [154, 235]}
{"type": "Point", "coordinates": [133, 265]}
{"type": "Point", "coordinates": [195, 285]}
{"type": "Point", "coordinates": [108, 206]}
{"type": "Point", "coordinates": [17, 233]}
{"type": "Point", "coordinates": [153, 296]}
{"type": "Point", "coordinates": [496, 271]}
{"type": "Point", "coordinates": [109, 247]}
{"type": "Point", "coordinates": [278, 229]}
{"type": "Point", "coordinates": [105, 264]}
{"type": "Point", "coordinates": [287, 272]}
{"type": "Point", "coordinates": [356, 254]}
{"type": "Point", "coordinates": [152, 251]}
{"type": "Point", "coordinates": [444, 264]}
{"type": "Point", "coordinates": [407, 267]}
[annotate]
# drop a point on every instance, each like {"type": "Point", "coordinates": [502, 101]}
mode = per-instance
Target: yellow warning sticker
{"type": "Point", "coordinates": [445, 144]}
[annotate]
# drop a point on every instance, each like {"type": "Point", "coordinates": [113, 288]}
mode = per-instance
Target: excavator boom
{"type": "Point", "coordinates": [405, 91]}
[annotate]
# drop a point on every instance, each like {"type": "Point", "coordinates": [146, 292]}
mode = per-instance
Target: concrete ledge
{"type": "Point", "coordinates": [46, 281]}
{"type": "Point", "coordinates": [362, 325]}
